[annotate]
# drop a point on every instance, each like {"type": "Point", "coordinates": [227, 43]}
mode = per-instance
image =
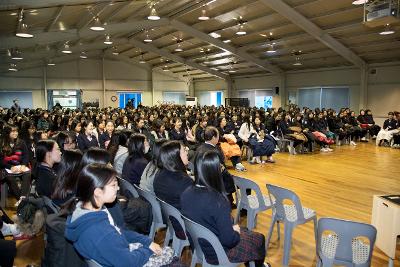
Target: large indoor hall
{"type": "Point", "coordinates": [199, 133]}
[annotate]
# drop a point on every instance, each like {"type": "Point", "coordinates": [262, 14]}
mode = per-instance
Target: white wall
{"type": "Point", "coordinates": [383, 92]}
{"type": "Point", "coordinates": [211, 85]}
{"type": "Point", "coordinates": [87, 75]}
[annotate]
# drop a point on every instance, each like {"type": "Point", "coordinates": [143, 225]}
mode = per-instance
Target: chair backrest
{"type": "Point", "coordinates": [155, 205]}
{"type": "Point", "coordinates": [243, 184]}
{"type": "Point", "coordinates": [198, 232]}
{"type": "Point", "coordinates": [92, 263]}
{"type": "Point", "coordinates": [127, 186]}
{"type": "Point", "coordinates": [49, 203]}
{"type": "Point", "coordinates": [347, 249]}
{"type": "Point", "coordinates": [280, 194]}
{"type": "Point", "coordinates": [174, 219]}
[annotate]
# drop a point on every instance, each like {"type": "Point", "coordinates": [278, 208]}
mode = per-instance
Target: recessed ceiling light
{"type": "Point", "coordinates": [153, 15]}
{"type": "Point", "coordinates": [203, 15]}
{"type": "Point", "coordinates": [360, 2]}
{"type": "Point", "coordinates": [97, 26]}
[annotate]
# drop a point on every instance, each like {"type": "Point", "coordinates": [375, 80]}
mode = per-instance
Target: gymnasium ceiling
{"type": "Point", "coordinates": [317, 33]}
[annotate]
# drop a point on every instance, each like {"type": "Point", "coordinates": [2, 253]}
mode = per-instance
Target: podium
{"type": "Point", "coordinates": [386, 219]}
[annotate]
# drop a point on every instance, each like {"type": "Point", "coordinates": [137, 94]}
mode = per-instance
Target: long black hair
{"type": "Point", "coordinates": [156, 150]}
{"type": "Point", "coordinates": [170, 157]}
{"type": "Point", "coordinates": [6, 141]}
{"type": "Point", "coordinates": [207, 171]}
{"type": "Point", "coordinates": [136, 146]}
{"type": "Point", "coordinates": [96, 155]}
{"type": "Point", "coordinates": [92, 176]}
{"type": "Point", "coordinates": [42, 147]}
{"type": "Point", "coordinates": [67, 174]}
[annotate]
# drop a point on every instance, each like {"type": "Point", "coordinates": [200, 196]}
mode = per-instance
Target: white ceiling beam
{"type": "Point", "coordinates": [218, 43]}
{"type": "Point", "coordinates": [27, 4]}
{"type": "Point", "coordinates": [176, 58]}
{"type": "Point", "coordinates": [45, 38]}
{"type": "Point", "coordinates": [298, 19]}
{"type": "Point", "coordinates": [55, 19]}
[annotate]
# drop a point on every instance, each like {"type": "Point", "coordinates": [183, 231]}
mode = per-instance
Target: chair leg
{"type": "Point", "coordinates": [152, 231]}
{"type": "Point", "coordinates": [237, 217]}
{"type": "Point", "coordinates": [316, 233]}
{"type": "Point", "coordinates": [252, 264]}
{"type": "Point", "coordinates": [287, 245]}
{"type": "Point", "coordinates": [177, 245]}
{"type": "Point", "coordinates": [271, 229]}
{"type": "Point", "coordinates": [168, 236]}
{"type": "Point", "coordinates": [250, 219]}
{"type": "Point", "coordinates": [194, 259]}
{"type": "Point", "coordinates": [278, 229]}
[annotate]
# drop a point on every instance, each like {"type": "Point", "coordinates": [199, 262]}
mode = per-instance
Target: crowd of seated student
{"type": "Point", "coordinates": [122, 139]}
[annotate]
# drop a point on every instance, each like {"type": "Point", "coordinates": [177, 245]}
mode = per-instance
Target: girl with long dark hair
{"type": "Point", "coordinates": [14, 156]}
{"type": "Point", "coordinates": [206, 204]}
{"type": "Point", "coordinates": [135, 163]}
{"type": "Point", "coordinates": [87, 139]}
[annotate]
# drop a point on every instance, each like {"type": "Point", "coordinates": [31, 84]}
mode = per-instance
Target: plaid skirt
{"type": "Point", "coordinates": [251, 247]}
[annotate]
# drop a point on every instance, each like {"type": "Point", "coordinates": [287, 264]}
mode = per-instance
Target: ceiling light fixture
{"type": "Point", "coordinates": [227, 41]}
{"type": "Point", "coordinates": [203, 15]}
{"type": "Point", "coordinates": [12, 67]}
{"type": "Point", "coordinates": [97, 26]}
{"type": "Point", "coordinates": [83, 55]}
{"type": "Point", "coordinates": [271, 49]}
{"type": "Point", "coordinates": [66, 49]}
{"type": "Point", "coordinates": [16, 55]}
{"type": "Point", "coordinates": [241, 30]}
{"type": "Point", "coordinates": [115, 51]}
{"type": "Point", "coordinates": [360, 2]}
{"type": "Point", "coordinates": [214, 35]}
{"type": "Point", "coordinates": [50, 63]}
{"type": "Point", "coordinates": [147, 39]}
{"type": "Point", "coordinates": [297, 62]}
{"type": "Point", "coordinates": [153, 15]}
{"type": "Point", "coordinates": [108, 40]}
{"type": "Point", "coordinates": [142, 61]}
{"type": "Point", "coordinates": [388, 30]}
{"type": "Point", "coordinates": [179, 47]}
{"type": "Point", "coordinates": [23, 31]}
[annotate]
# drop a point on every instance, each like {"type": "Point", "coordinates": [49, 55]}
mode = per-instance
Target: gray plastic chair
{"type": "Point", "coordinates": [156, 210]}
{"type": "Point", "coordinates": [198, 232]}
{"type": "Point", "coordinates": [127, 186]}
{"type": "Point", "coordinates": [343, 246]}
{"type": "Point", "coordinates": [178, 243]}
{"type": "Point", "coordinates": [92, 263]}
{"type": "Point", "coordinates": [252, 203]}
{"type": "Point", "coordinates": [290, 215]}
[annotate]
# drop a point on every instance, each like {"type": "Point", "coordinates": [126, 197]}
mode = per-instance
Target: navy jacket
{"type": "Point", "coordinates": [84, 143]}
{"type": "Point", "coordinates": [95, 238]}
{"type": "Point", "coordinates": [45, 180]}
{"type": "Point", "coordinates": [210, 209]}
{"type": "Point", "coordinates": [103, 138]}
{"type": "Point", "coordinates": [133, 169]}
{"type": "Point", "coordinates": [168, 186]}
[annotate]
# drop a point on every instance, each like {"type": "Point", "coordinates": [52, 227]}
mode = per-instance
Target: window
{"type": "Point", "coordinates": [324, 97]}
{"type": "Point", "coordinates": [211, 98]}
{"type": "Point", "coordinates": [258, 98]}
{"type": "Point", "coordinates": [135, 97]}
{"type": "Point", "coordinates": [24, 97]}
{"type": "Point", "coordinates": [178, 98]}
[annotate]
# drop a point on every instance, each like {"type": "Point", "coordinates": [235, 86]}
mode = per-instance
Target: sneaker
{"type": "Point", "coordinates": [364, 139]}
{"type": "Point", "coordinates": [374, 137]}
{"type": "Point", "coordinates": [289, 149]}
{"type": "Point", "coordinates": [258, 160]}
{"type": "Point", "coordinates": [324, 149]}
{"type": "Point", "coordinates": [353, 143]}
{"type": "Point", "coordinates": [240, 167]}
{"type": "Point", "coordinates": [329, 149]}
{"type": "Point", "coordinates": [10, 229]}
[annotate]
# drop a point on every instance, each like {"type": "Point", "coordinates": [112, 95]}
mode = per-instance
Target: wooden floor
{"type": "Point", "coordinates": [338, 184]}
